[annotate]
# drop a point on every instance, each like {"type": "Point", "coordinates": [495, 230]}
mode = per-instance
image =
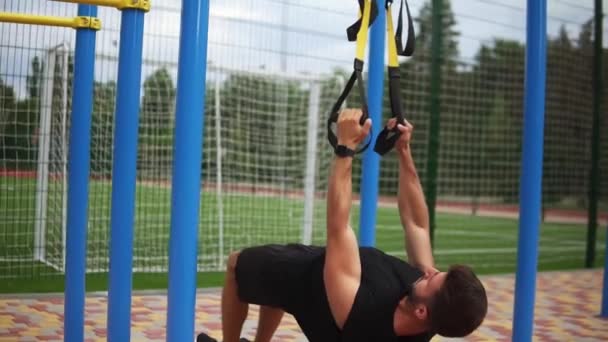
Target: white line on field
{"type": "Point", "coordinates": [497, 250]}
{"type": "Point", "coordinates": [513, 236]}
{"type": "Point", "coordinates": [15, 259]}
{"type": "Point", "coordinates": [456, 232]}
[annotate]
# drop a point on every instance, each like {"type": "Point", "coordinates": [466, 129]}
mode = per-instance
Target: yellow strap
{"type": "Point", "coordinates": [143, 5]}
{"type": "Point", "coordinates": [362, 35]}
{"type": "Point", "coordinates": [393, 61]}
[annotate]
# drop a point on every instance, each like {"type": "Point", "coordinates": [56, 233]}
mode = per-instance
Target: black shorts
{"type": "Point", "coordinates": [275, 275]}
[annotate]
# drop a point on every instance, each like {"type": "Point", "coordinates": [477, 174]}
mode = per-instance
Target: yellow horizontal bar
{"type": "Point", "coordinates": [143, 5]}
{"type": "Point", "coordinates": [106, 3]}
{"type": "Point", "coordinates": [76, 22]}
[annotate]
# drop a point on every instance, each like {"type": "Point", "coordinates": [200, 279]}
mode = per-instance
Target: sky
{"type": "Point", "coordinates": [283, 37]}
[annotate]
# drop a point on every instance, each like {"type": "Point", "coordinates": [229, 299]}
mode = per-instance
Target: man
{"type": "Point", "coordinates": [343, 292]}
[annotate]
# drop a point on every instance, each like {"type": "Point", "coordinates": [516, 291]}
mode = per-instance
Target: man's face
{"type": "Point", "coordinates": [426, 287]}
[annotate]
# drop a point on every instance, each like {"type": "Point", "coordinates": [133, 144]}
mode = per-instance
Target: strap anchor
{"type": "Point", "coordinates": [359, 31]}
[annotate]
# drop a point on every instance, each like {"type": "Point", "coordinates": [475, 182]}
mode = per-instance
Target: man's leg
{"type": "Point", "coordinates": [234, 311]}
{"type": "Point", "coordinates": [270, 318]}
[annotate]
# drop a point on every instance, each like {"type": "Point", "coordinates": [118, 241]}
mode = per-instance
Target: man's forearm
{"type": "Point", "coordinates": [339, 193]}
{"type": "Point", "coordinates": [412, 206]}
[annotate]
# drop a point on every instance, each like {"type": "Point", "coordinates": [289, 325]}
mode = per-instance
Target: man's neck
{"type": "Point", "coordinates": [405, 323]}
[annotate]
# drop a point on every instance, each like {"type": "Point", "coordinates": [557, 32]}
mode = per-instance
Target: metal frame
{"type": "Point", "coordinates": [124, 174]}
{"type": "Point", "coordinates": [78, 179]}
{"type": "Point", "coordinates": [75, 22]}
{"type": "Point", "coordinates": [143, 5]}
{"type": "Point", "coordinates": [370, 174]}
{"type": "Point", "coordinates": [186, 181]}
{"type": "Point", "coordinates": [531, 171]}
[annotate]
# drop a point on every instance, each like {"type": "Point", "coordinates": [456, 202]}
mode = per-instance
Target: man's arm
{"type": "Point", "coordinates": [342, 271]}
{"type": "Point", "coordinates": [412, 206]}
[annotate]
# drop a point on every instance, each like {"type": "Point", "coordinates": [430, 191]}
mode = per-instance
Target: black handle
{"type": "Point", "coordinates": [357, 76]}
{"type": "Point", "coordinates": [388, 137]}
{"type": "Point", "coordinates": [410, 45]}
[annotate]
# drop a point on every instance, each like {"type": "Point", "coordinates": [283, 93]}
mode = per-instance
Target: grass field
{"type": "Point", "coordinates": [488, 244]}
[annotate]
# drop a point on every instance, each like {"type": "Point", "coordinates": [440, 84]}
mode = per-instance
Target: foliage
{"type": "Point", "coordinates": [263, 120]}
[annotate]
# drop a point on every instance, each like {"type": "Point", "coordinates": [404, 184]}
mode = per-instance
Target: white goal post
{"type": "Point", "coordinates": [313, 114]}
{"type": "Point", "coordinates": [51, 179]}
{"type": "Point", "coordinates": [53, 146]}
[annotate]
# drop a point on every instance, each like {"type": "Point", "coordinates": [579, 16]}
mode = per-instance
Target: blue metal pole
{"type": "Point", "coordinates": [371, 161]}
{"type": "Point", "coordinates": [78, 179]}
{"type": "Point", "coordinates": [599, 86]}
{"type": "Point", "coordinates": [189, 124]}
{"type": "Point", "coordinates": [604, 312]}
{"type": "Point", "coordinates": [531, 171]}
{"type": "Point", "coordinates": [124, 175]}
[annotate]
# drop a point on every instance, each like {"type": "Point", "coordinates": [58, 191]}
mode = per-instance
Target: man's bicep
{"type": "Point", "coordinates": [342, 252]}
{"type": "Point", "coordinates": [342, 273]}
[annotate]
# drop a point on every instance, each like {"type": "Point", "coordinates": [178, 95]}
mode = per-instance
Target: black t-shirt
{"type": "Point", "coordinates": [385, 280]}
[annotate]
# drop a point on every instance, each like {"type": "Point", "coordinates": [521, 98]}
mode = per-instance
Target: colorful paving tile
{"type": "Point", "coordinates": [567, 305]}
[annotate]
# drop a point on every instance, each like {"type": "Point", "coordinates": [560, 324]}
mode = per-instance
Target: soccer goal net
{"type": "Point", "coordinates": [263, 155]}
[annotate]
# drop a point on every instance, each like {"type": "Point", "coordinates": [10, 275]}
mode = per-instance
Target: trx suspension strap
{"type": "Point", "coordinates": [361, 28]}
{"type": "Point", "coordinates": [387, 138]}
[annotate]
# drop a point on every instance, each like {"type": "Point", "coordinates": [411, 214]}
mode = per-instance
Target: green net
{"type": "Point", "coordinates": [275, 68]}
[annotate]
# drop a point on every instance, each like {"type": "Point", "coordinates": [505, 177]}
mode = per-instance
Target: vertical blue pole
{"type": "Point", "coordinates": [78, 179]}
{"type": "Point", "coordinates": [124, 175]}
{"type": "Point", "coordinates": [604, 312]}
{"type": "Point", "coordinates": [187, 157]}
{"type": "Point", "coordinates": [531, 171]}
{"type": "Point", "coordinates": [599, 86]}
{"type": "Point", "coordinates": [371, 160]}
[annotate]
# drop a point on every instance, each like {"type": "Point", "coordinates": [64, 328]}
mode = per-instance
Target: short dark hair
{"type": "Point", "coordinates": [460, 305]}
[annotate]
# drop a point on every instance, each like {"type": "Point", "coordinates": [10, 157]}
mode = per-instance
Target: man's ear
{"type": "Point", "coordinates": [421, 312]}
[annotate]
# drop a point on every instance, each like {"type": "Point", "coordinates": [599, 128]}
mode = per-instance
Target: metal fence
{"type": "Point", "coordinates": [275, 65]}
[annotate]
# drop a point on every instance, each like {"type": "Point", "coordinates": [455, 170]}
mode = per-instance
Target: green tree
{"type": "Point", "coordinates": [156, 125]}
{"type": "Point", "coordinates": [497, 109]}
{"type": "Point", "coordinates": [585, 38]}
{"type": "Point", "coordinates": [7, 113]}
{"type": "Point", "coordinates": [35, 78]}
{"type": "Point", "coordinates": [7, 105]}
{"type": "Point", "coordinates": [424, 36]}
{"type": "Point", "coordinates": [20, 124]}
{"type": "Point", "coordinates": [263, 129]}
{"type": "Point", "coordinates": [102, 128]}
{"type": "Point", "coordinates": [567, 119]}
{"type": "Point", "coordinates": [157, 112]}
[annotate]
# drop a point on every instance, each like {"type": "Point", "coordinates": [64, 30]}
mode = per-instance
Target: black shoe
{"type": "Point", "coordinates": [202, 337]}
